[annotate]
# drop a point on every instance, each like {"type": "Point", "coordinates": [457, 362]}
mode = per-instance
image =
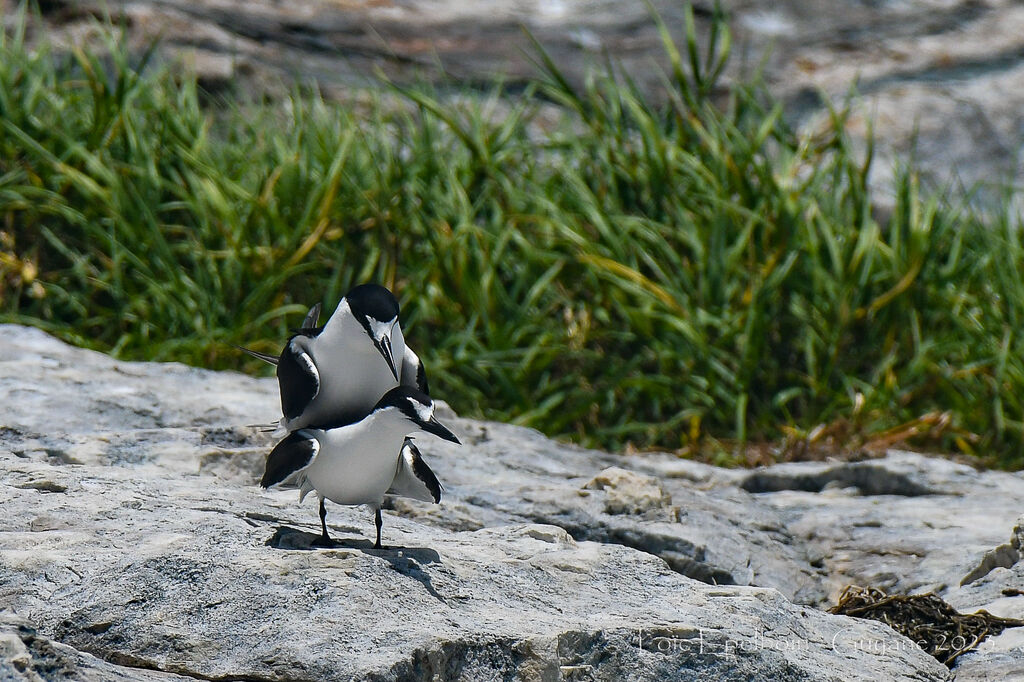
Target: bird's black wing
{"type": "Point", "coordinates": [308, 328]}
{"type": "Point", "coordinates": [413, 478]}
{"type": "Point", "coordinates": [311, 317]}
{"type": "Point", "coordinates": [298, 378]}
{"type": "Point", "coordinates": [413, 373]}
{"type": "Point", "coordinates": [265, 357]}
{"type": "Point", "coordinates": [291, 455]}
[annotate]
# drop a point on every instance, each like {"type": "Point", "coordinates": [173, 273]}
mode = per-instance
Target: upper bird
{"type": "Point", "coordinates": [336, 373]}
{"type": "Point", "coordinates": [361, 462]}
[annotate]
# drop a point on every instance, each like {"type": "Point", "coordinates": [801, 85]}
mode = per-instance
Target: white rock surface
{"type": "Point", "coordinates": [137, 546]}
{"type": "Point", "coordinates": [27, 656]}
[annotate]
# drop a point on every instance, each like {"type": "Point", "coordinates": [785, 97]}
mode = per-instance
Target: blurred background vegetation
{"type": "Point", "coordinates": [688, 274]}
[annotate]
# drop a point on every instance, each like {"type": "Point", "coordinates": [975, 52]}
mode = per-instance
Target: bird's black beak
{"type": "Point", "coordinates": [440, 430]}
{"type": "Point", "coordinates": [384, 346]}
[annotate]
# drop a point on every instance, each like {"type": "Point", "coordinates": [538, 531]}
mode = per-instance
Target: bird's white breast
{"type": "Point", "coordinates": [353, 373]}
{"type": "Point", "coordinates": [357, 463]}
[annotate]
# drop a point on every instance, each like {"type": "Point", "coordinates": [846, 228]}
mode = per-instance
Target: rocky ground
{"type": "Point", "coordinates": [942, 77]}
{"type": "Point", "coordinates": [137, 546]}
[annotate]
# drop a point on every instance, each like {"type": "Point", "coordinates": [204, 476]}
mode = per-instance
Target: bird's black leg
{"type": "Point", "coordinates": [378, 521]}
{"type": "Point", "coordinates": [325, 539]}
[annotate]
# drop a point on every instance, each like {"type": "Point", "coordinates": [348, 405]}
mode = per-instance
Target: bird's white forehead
{"type": "Point", "coordinates": [424, 412]}
{"type": "Point", "coordinates": [381, 329]}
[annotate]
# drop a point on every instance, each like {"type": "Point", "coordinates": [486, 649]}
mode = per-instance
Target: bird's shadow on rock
{"type": "Point", "coordinates": [286, 537]}
{"type": "Point", "coordinates": [404, 560]}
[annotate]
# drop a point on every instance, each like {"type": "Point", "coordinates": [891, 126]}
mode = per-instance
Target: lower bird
{"type": "Point", "coordinates": [359, 463]}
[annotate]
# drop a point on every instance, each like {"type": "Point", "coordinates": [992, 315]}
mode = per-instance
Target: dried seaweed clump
{"type": "Point", "coordinates": [926, 619]}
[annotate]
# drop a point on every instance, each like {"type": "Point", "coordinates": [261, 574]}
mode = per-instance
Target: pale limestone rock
{"type": "Point", "coordinates": [135, 532]}
{"type": "Point", "coordinates": [627, 492]}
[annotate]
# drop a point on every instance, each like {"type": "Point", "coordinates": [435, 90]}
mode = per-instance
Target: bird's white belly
{"type": "Point", "coordinates": [357, 472]}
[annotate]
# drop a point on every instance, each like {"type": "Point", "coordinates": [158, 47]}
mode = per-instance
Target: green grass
{"type": "Point", "coordinates": [655, 275]}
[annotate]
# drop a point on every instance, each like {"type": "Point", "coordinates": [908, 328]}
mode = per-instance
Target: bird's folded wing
{"type": "Point", "coordinates": [299, 379]}
{"type": "Point", "coordinates": [414, 478]}
{"type": "Point", "coordinates": [265, 357]}
{"type": "Point", "coordinates": [290, 456]}
{"type": "Point", "coordinates": [413, 373]}
{"type": "Point", "coordinates": [311, 317]}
